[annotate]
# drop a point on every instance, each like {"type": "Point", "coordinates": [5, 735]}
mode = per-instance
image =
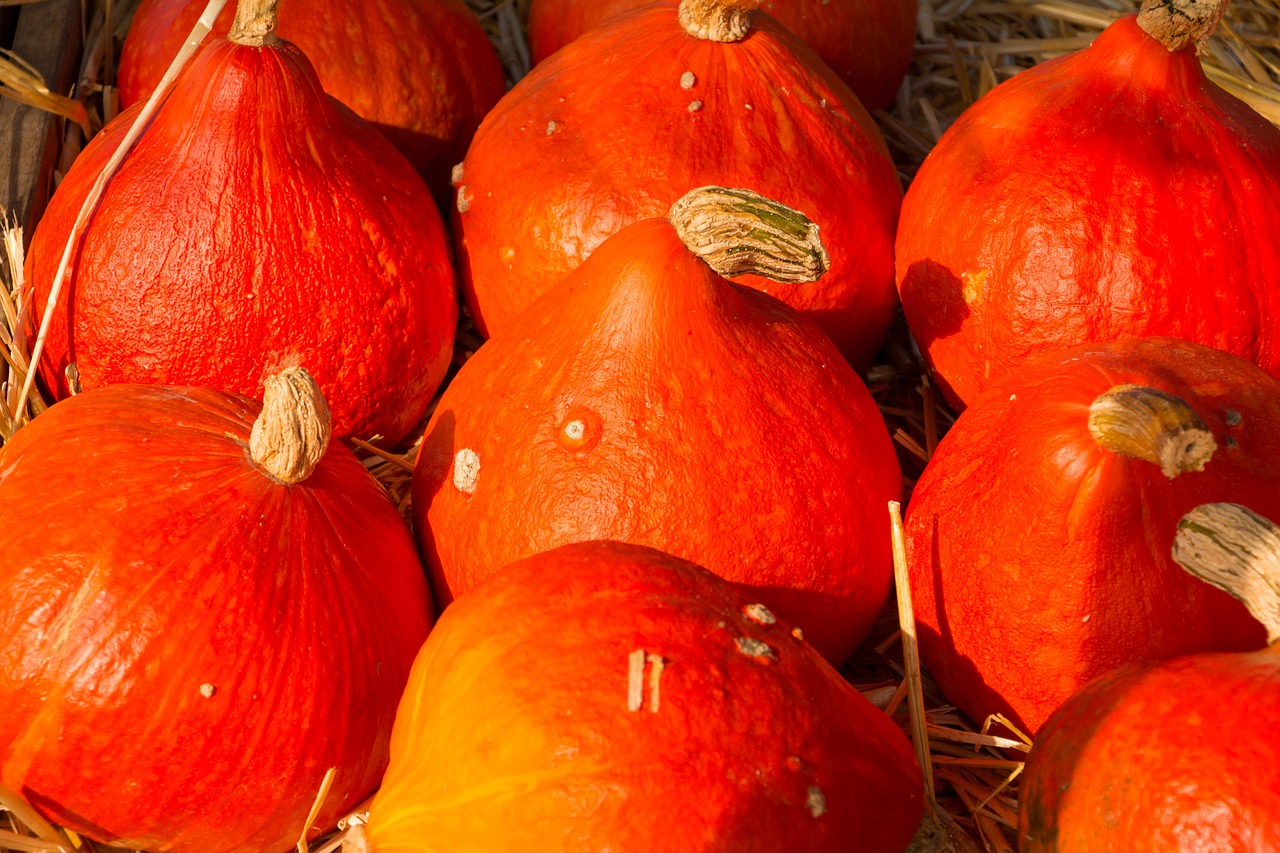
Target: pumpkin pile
{"type": "Point", "coordinates": [652, 509]}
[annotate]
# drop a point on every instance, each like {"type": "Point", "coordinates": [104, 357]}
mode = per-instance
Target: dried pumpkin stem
{"type": "Point", "coordinates": [1144, 423]}
{"type": "Point", "coordinates": [1238, 551]}
{"type": "Point", "coordinates": [1179, 23]}
{"type": "Point", "coordinates": [291, 435]}
{"type": "Point", "coordinates": [717, 20]}
{"type": "Point", "coordinates": [738, 232]}
{"type": "Point", "coordinates": [255, 24]}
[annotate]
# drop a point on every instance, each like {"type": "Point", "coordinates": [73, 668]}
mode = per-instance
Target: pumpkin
{"type": "Point", "coordinates": [649, 400]}
{"type": "Point", "coordinates": [1115, 192]}
{"type": "Point", "coordinates": [1179, 754]}
{"type": "Point", "coordinates": [200, 614]}
{"type": "Point", "coordinates": [867, 42]}
{"type": "Point", "coordinates": [617, 127]}
{"type": "Point", "coordinates": [422, 71]}
{"type": "Point", "coordinates": [605, 696]}
{"type": "Point", "coordinates": [1038, 536]}
{"type": "Point", "coordinates": [257, 224]}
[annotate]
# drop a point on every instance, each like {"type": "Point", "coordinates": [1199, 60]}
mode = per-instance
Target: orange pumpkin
{"type": "Point", "coordinates": [615, 128]}
{"type": "Point", "coordinates": [867, 42]}
{"type": "Point", "coordinates": [1038, 537]}
{"type": "Point", "coordinates": [422, 71]}
{"type": "Point", "coordinates": [604, 696]}
{"type": "Point", "coordinates": [648, 400]}
{"type": "Point", "coordinates": [1180, 754]}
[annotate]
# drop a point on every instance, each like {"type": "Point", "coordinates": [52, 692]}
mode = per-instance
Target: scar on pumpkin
{"type": "Point", "coordinates": [635, 679]}
{"type": "Point", "coordinates": [687, 79]}
{"type": "Point", "coordinates": [755, 649]}
{"type": "Point", "coordinates": [817, 801]}
{"type": "Point", "coordinates": [759, 614]}
{"type": "Point", "coordinates": [466, 471]}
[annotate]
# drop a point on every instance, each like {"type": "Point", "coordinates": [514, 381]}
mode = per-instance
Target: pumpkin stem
{"type": "Point", "coordinates": [255, 24]}
{"type": "Point", "coordinates": [737, 232]}
{"type": "Point", "coordinates": [1179, 23]}
{"type": "Point", "coordinates": [1144, 423]}
{"type": "Point", "coordinates": [1238, 551]}
{"type": "Point", "coordinates": [717, 20]}
{"type": "Point", "coordinates": [291, 434]}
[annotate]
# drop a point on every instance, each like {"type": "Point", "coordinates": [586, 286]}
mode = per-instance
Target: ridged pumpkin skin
{"type": "Point", "coordinates": [1180, 755]}
{"type": "Point", "coordinates": [867, 42]}
{"type": "Point", "coordinates": [147, 556]}
{"type": "Point", "coordinates": [523, 728]}
{"type": "Point", "coordinates": [603, 135]}
{"type": "Point", "coordinates": [1040, 561]}
{"type": "Point", "coordinates": [256, 224]}
{"type": "Point", "coordinates": [422, 71]}
{"type": "Point", "coordinates": [715, 426]}
{"type": "Point", "coordinates": [1112, 193]}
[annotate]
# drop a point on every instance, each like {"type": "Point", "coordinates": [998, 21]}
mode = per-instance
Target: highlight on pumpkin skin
{"type": "Point", "coordinates": [291, 434]}
{"type": "Point", "coordinates": [1144, 423]}
{"type": "Point", "coordinates": [739, 232]}
{"type": "Point", "coordinates": [1179, 23]}
{"type": "Point", "coordinates": [1238, 551]}
{"type": "Point", "coordinates": [717, 20]}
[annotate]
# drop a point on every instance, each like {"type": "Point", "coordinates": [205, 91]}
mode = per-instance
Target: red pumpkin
{"type": "Point", "coordinates": [609, 697]}
{"type": "Point", "coordinates": [422, 71]}
{"type": "Point", "coordinates": [256, 224]}
{"type": "Point", "coordinates": [1116, 192]}
{"type": "Point", "coordinates": [1173, 755]}
{"type": "Point", "coordinates": [617, 127]}
{"type": "Point", "coordinates": [1038, 537]}
{"type": "Point", "coordinates": [198, 617]}
{"type": "Point", "coordinates": [867, 42]}
{"type": "Point", "coordinates": [648, 400]}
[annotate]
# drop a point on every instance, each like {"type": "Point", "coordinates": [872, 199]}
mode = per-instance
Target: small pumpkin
{"type": "Point", "coordinates": [604, 696]}
{"type": "Point", "coordinates": [204, 606]}
{"type": "Point", "coordinates": [256, 224]}
{"type": "Point", "coordinates": [649, 400]}
{"type": "Point", "coordinates": [1179, 754]}
{"type": "Point", "coordinates": [422, 71]}
{"type": "Point", "coordinates": [867, 42]}
{"type": "Point", "coordinates": [615, 128]}
{"type": "Point", "coordinates": [1116, 192]}
{"type": "Point", "coordinates": [1038, 536]}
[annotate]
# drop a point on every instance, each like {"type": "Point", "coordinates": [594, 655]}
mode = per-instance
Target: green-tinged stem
{"type": "Point", "coordinates": [1144, 423]}
{"type": "Point", "coordinates": [1238, 551]}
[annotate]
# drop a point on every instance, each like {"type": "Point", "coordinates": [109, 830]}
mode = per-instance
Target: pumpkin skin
{"type": "Point", "coordinates": [724, 750]}
{"type": "Point", "coordinates": [1115, 192]}
{"type": "Point", "coordinates": [602, 135]}
{"type": "Point", "coordinates": [422, 71]}
{"type": "Point", "coordinates": [782, 484]}
{"type": "Point", "coordinates": [256, 224]}
{"type": "Point", "coordinates": [1015, 613]}
{"type": "Point", "coordinates": [867, 42]}
{"type": "Point", "coordinates": [1175, 755]}
{"type": "Point", "coordinates": [145, 556]}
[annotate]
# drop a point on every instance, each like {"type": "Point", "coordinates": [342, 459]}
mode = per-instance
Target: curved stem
{"type": "Point", "coordinates": [1238, 551]}
{"type": "Point", "coordinates": [738, 232]}
{"type": "Point", "coordinates": [255, 24]}
{"type": "Point", "coordinates": [291, 434]}
{"type": "Point", "coordinates": [717, 20]}
{"type": "Point", "coordinates": [1177, 24]}
{"type": "Point", "coordinates": [1144, 423]}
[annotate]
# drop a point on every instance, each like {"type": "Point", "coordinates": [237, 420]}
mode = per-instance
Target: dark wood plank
{"type": "Point", "coordinates": [47, 37]}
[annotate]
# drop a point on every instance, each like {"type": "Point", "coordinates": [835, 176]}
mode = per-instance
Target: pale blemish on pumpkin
{"type": "Point", "coordinates": [466, 471]}
{"type": "Point", "coordinates": [207, 690]}
{"type": "Point", "coordinates": [575, 430]}
{"type": "Point", "coordinates": [507, 254]}
{"type": "Point", "coordinates": [464, 199]}
{"type": "Point", "coordinates": [974, 285]}
{"type": "Point", "coordinates": [753, 648]}
{"type": "Point", "coordinates": [656, 665]}
{"type": "Point", "coordinates": [687, 80]}
{"type": "Point", "coordinates": [635, 680]}
{"type": "Point", "coordinates": [817, 801]}
{"type": "Point", "coordinates": [695, 106]}
{"type": "Point", "coordinates": [759, 614]}
{"type": "Point", "coordinates": [455, 176]}
{"type": "Point", "coordinates": [552, 127]}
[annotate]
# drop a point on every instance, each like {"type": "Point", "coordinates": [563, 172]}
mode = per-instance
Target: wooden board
{"type": "Point", "coordinates": [47, 36]}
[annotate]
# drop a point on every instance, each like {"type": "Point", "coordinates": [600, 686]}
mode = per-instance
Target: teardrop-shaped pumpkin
{"type": "Point", "coordinates": [200, 614]}
{"type": "Point", "coordinates": [649, 400]}
{"type": "Point", "coordinates": [867, 42]}
{"type": "Point", "coordinates": [604, 696]}
{"type": "Point", "coordinates": [1038, 536]}
{"type": "Point", "coordinates": [1173, 755]}
{"type": "Point", "coordinates": [617, 127]}
{"type": "Point", "coordinates": [422, 71]}
{"type": "Point", "coordinates": [1116, 192]}
{"type": "Point", "coordinates": [256, 224]}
